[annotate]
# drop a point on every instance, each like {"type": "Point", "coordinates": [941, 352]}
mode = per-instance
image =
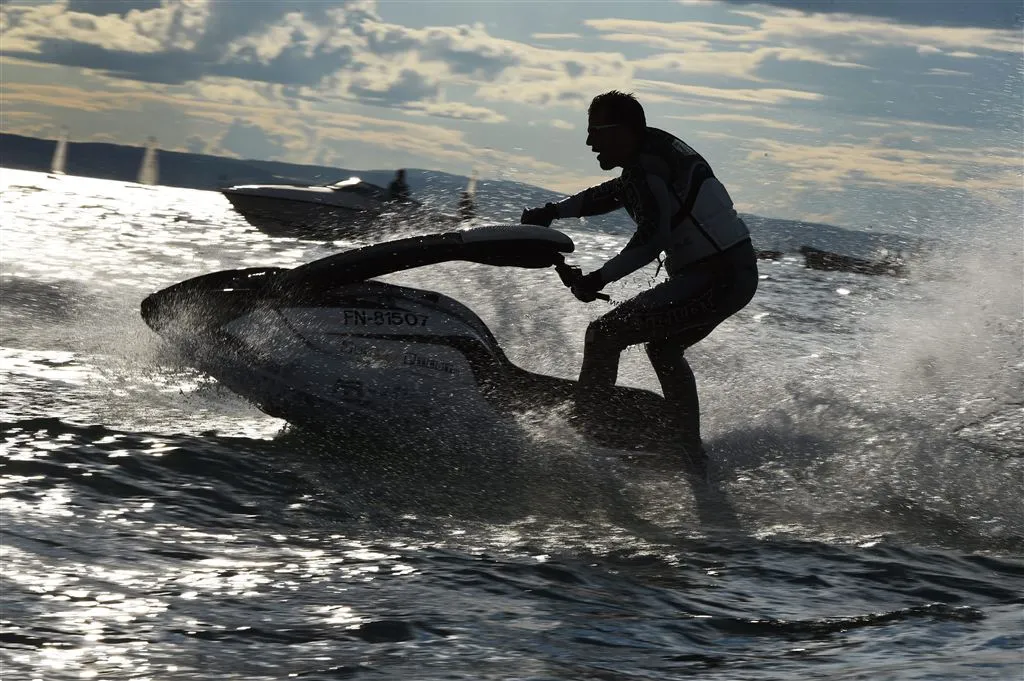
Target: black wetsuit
{"type": "Point", "coordinates": [681, 209]}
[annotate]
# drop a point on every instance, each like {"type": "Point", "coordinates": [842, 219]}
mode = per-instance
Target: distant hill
{"type": "Point", "coordinates": [499, 200]}
{"type": "Point", "coordinates": [203, 171]}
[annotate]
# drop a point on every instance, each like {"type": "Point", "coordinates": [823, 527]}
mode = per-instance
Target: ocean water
{"type": "Point", "coordinates": [865, 522]}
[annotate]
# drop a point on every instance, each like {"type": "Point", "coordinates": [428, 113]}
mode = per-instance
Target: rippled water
{"type": "Point", "coordinates": [866, 521]}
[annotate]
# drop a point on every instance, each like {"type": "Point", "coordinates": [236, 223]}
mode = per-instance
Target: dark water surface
{"type": "Point", "coordinates": [866, 521]}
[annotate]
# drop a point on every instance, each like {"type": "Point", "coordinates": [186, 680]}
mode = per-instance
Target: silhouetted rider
{"type": "Point", "coordinates": [681, 209]}
{"type": "Point", "coordinates": [398, 190]}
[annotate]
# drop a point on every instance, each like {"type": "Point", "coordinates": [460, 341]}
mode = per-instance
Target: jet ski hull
{"type": "Point", "coordinates": [325, 348]}
{"type": "Point", "coordinates": [313, 373]}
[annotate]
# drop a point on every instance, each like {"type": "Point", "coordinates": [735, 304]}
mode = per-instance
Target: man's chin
{"type": "Point", "coordinates": [604, 162]}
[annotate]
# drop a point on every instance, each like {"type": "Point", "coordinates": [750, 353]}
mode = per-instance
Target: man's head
{"type": "Point", "coordinates": [615, 128]}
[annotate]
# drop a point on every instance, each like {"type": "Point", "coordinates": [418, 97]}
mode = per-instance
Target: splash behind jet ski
{"type": "Point", "coordinates": [325, 346]}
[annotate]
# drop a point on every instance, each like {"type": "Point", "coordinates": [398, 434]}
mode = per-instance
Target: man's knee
{"type": "Point", "coordinates": [667, 357]}
{"type": "Point", "coordinates": [660, 350]}
{"type": "Point", "coordinates": [599, 336]}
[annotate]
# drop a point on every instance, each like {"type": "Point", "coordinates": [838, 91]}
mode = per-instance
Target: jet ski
{"type": "Point", "coordinates": [326, 346]}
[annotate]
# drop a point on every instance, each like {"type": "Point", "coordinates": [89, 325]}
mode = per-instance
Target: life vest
{"type": "Point", "coordinates": [706, 221]}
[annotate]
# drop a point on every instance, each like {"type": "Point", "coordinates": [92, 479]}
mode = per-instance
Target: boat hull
{"type": "Point", "coordinates": [296, 219]}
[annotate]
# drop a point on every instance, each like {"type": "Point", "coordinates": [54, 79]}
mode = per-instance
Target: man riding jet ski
{"type": "Point", "coordinates": [326, 346]}
{"type": "Point", "coordinates": [680, 208]}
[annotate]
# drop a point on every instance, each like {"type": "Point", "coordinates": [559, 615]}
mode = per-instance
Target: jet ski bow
{"type": "Point", "coordinates": [325, 345]}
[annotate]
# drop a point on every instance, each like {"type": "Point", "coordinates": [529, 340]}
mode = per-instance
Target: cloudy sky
{"type": "Point", "coordinates": [837, 110]}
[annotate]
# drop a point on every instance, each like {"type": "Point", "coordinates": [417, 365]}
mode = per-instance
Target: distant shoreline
{"type": "Point", "coordinates": [498, 200]}
{"type": "Point", "coordinates": [107, 160]}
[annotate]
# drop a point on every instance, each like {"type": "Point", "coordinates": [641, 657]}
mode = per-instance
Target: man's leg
{"type": "Point", "coordinates": [648, 316]}
{"type": "Point", "coordinates": [679, 386]}
{"type": "Point", "coordinates": [672, 316]}
{"type": "Point", "coordinates": [710, 303]}
{"type": "Point", "coordinates": [607, 336]}
{"type": "Point", "coordinates": [669, 318]}
{"type": "Point", "coordinates": [596, 384]}
{"type": "Point", "coordinates": [600, 360]}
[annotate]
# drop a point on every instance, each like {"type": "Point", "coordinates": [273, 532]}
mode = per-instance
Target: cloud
{"type": "Point", "coordinates": [277, 75]}
{"type": "Point", "coordinates": [28, 123]}
{"type": "Point", "coordinates": [981, 13]}
{"type": "Point", "coordinates": [890, 123]}
{"type": "Point", "coordinates": [659, 90]}
{"type": "Point", "coordinates": [285, 134]}
{"type": "Point", "coordinates": [182, 42]}
{"type": "Point", "coordinates": [657, 41]}
{"type": "Point", "coordinates": [787, 27]}
{"type": "Point", "coordinates": [242, 92]}
{"type": "Point", "coordinates": [878, 32]}
{"type": "Point", "coordinates": [18, 96]}
{"type": "Point", "coordinates": [344, 52]}
{"type": "Point", "coordinates": [555, 36]}
{"type": "Point", "coordinates": [171, 27]}
{"type": "Point", "coordinates": [879, 162]}
{"type": "Point", "coordinates": [390, 84]}
{"type": "Point", "coordinates": [196, 145]}
{"type": "Point", "coordinates": [457, 111]}
{"type": "Point", "coordinates": [103, 7]}
{"type": "Point", "coordinates": [547, 90]}
{"type": "Point", "coordinates": [905, 140]}
{"type": "Point", "coordinates": [947, 72]}
{"type": "Point", "coordinates": [556, 123]}
{"type": "Point", "coordinates": [745, 119]}
{"type": "Point", "coordinates": [245, 140]}
{"type": "Point", "coordinates": [313, 52]}
{"type": "Point", "coordinates": [681, 32]}
{"type": "Point", "coordinates": [236, 91]}
{"type": "Point", "coordinates": [464, 50]}
{"type": "Point", "coordinates": [740, 63]}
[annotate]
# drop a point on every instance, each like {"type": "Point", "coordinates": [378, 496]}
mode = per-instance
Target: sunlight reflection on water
{"type": "Point", "coordinates": [157, 526]}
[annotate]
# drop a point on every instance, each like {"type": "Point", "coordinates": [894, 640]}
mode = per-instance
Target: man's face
{"type": "Point", "coordinates": [613, 143]}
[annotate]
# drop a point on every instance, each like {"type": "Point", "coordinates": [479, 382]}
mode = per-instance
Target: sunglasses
{"type": "Point", "coordinates": [594, 128]}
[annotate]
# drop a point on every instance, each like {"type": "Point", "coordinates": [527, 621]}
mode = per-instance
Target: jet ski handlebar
{"type": "Point", "coordinates": [570, 274]}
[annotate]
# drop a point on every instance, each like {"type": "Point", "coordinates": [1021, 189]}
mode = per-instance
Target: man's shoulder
{"type": "Point", "coordinates": [649, 162]}
{"type": "Point", "coordinates": [661, 142]}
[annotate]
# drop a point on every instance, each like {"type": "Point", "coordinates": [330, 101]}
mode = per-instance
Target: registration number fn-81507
{"type": "Point", "coordinates": [382, 318]}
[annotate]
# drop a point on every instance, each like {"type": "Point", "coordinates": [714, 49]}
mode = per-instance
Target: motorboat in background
{"type": "Point", "coordinates": [326, 211]}
{"type": "Point", "coordinates": [298, 210]}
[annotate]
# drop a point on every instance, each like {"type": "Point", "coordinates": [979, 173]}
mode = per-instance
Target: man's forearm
{"type": "Point", "coordinates": [604, 198]}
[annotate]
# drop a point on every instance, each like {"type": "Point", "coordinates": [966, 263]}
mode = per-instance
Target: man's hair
{"type": "Point", "coordinates": [620, 107]}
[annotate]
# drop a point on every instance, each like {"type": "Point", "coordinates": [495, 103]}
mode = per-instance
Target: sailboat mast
{"type": "Point", "coordinates": [148, 171]}
{"type": "Point", "coordinates": [60, 154]}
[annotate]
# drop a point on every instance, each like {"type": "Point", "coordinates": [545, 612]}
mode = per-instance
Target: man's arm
{"type": "Point", "coordinates": [650, 201]}
{"type": "Point", "coordinates": [604, 198]}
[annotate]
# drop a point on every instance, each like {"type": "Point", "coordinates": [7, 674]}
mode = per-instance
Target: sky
{"type": "Point", "coordinates": [846, 111]}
